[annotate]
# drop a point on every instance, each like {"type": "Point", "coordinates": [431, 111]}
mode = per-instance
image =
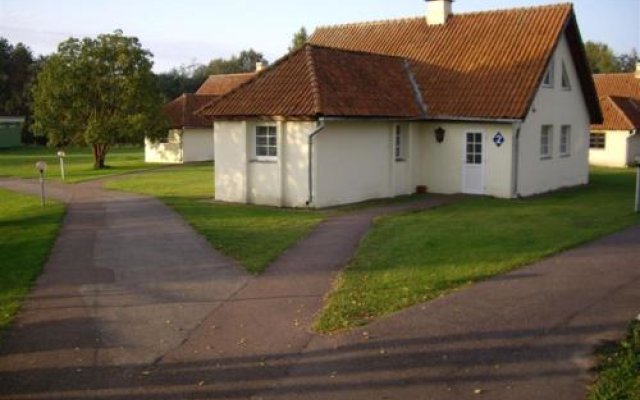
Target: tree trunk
{"type": "Point", "coordinates": [99, 155]}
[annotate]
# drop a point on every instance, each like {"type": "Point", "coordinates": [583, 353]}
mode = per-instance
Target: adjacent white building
{"type": "Point", "coordinates": [615, 142]}
{"type": "Point", "coordinates": [389, 108]}
{"type": "Point", "coordinates": [190, 137]}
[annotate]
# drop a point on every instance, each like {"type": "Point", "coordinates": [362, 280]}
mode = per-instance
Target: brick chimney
{"type": "Point", "coordinates": [438, 11]}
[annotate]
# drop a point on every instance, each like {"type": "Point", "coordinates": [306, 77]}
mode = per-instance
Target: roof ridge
{"type": "Point", "coordinates": [415, 87]}
{"type": "Point", "coordinates": [313, 79]}
{"type": "Point", "coordinates": [466, 14]}
{"type": "Point", "coordinates": [233, 74]}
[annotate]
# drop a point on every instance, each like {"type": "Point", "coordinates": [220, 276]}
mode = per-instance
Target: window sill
{"type": "Point", "coordinates": [400, 160]}
{"type": "Point", "coordinates": [597, 148]}
{"type": "Point", "coordinates": [263, 161]}
{"type": "Point", "coordinates": [564, 89]}
{"type": "Point", "coordinates": [565, 155]}
{"type": "Point", "coordinates": [543, 158]}
{"type": "Point", "coordinates": [547, 86]}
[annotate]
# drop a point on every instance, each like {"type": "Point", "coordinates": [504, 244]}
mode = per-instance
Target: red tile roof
{"type": "Point", "coordinates": [181, 111]}
{"type": "Point", "coordinates": [478, 65]}
{"type": "Point", "coordinates": [320, 81]}
{"type": "Point", "coordinates": [619, 100]}
{"type": "Point", "coordinates": [222, 84]}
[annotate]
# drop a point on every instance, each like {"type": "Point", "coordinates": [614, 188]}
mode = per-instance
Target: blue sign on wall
{"type": "Point", "coordinates": [498, 139]}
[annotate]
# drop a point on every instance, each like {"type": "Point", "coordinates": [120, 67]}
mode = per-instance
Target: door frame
{"type": "Point", "coordinates": [482, 165]}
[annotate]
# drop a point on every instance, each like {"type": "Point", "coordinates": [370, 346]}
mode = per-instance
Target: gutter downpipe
{"type": "Point", "coordinates": [313, 134]}
{"type": "Point", "coordinates": [517, 126]}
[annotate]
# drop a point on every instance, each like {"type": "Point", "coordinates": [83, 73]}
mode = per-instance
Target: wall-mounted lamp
{"type": "Point", "coordinates": [440, 134]}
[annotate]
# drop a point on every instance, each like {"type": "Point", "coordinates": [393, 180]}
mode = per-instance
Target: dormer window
{"type": "Point", "coordinates": [566, 83]}
{"type": "Point", "coordinates": [547, 81]}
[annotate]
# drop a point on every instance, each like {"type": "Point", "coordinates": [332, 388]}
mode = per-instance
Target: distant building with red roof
{"type": "Point", "coordinates": [615, 142]}
{"type": "Point", "coordinates": [190, 137]}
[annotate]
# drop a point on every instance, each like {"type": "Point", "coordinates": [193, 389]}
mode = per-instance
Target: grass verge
{"type": "Point", "coordinates": [619, 369]}
{"type": "Point", "coordinates": [27, 233]}
{"type": "Point", "coordinates": [20, 162]}
{"type": "Point", "coordinates": [252, 235]}
{"type": "Point", "coordinates": [413, 258]}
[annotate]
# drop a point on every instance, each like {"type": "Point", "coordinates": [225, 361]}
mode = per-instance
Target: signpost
{"type": "Point", "coordinates": [41, 166]}
{"type": "Point", "coordinates": [61, 155]}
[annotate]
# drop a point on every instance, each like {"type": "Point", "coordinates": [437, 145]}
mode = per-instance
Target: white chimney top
{"type": "Point", "coordinates": [259, 66]}
{"type": "Point", "coordinates": [438, 11]}
{"type": "Point", "coordinates": [638, 70]}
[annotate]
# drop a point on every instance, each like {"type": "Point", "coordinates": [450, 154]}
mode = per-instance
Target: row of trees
{"type": "Point", "coordinates": [187, 79]}
{"type": "Point", "coordinates": [603, 60]}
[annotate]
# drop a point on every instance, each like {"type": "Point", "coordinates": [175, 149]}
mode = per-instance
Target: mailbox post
{"type": "Point", "coordinates": [61, 155]}
{"type": "Point", "coordinates": [41, 166]}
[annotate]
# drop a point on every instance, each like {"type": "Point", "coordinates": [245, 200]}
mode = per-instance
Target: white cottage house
{"type": "Point", "coordinates": [490, 103]}
{"type": "Point", "coordinates": [190, 136]}
{"type": "Point", "coordinates": [616, 142]}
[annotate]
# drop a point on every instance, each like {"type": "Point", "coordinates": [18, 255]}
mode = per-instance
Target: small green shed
{"type": "Point", "coordinates": [10, 128]}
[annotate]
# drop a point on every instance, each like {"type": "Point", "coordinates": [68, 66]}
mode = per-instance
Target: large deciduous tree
{"type": "Point", "coordinates": [98, 92]}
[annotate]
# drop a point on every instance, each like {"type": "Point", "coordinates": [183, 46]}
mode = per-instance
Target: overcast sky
{"type": "Point", "coordinates": [186, 31]}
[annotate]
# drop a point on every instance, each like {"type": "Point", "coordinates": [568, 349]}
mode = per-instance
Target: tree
{"type": "Point", "coordinates": [299, 39]}
{"type": "Point", "coordinates": [627, 62]}
{"type": "Point", "coordinates": [601, 58]}
{"type": "Point", "coordinates": [17, 70]}
{"type": "Point", "coordinates": [98, 92]}
{"type": "Point", "coordinates": [243, 62]}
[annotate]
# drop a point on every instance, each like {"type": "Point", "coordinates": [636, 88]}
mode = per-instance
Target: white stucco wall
{"type": "Point", "coordinates": [355, 161]}
{"type": "Point", "coordinates": [442, 164]}
{"type": "Point", "coordinates": [618, 151]}
{"type": "Point", "coordinates": [231, 161]}
{"type": "Point", "coordinates": [170, 153]}
{"type": "Point", "coordinates": [197, 145]}
{"type": "Point", "coordinates": [243, 178]}
{"type": "Point", "coordinates": [633, 149]}
{"type": "Point", "coordinates": [555, 106]}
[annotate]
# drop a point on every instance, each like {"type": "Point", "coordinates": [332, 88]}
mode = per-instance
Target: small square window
{"type": "Point", "coordinates": [546, 141]}
{"type": "Point", "coordinates": [597, 141]}
{"type": "Point", "coordinates": [565, 140]}
{"type": "Point", "coordinates": [266, 142]}
{"type": "Point", "coordinates": [547, 80]}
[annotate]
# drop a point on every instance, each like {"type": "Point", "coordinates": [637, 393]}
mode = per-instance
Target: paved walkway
{"type": "Point", "coordinates": [133, 304]}
{"type": "Point", "coordinates": [131, 291]}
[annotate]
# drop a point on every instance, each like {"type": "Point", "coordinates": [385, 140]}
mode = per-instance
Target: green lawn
{"type": "Point", "coordinates": [20, 162]}
{"type": "Point", "coordinates": [253, 235]}
{"type": "Point", "coordinates": [619, 369]}
{"type": "Point", "coordinates": [27, 232]}
{"type": "Point", "coordinates": [413, 258]}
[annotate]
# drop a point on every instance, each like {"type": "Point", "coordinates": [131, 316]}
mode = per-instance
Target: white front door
{"type": "Point", "coordinates": [473, 168]}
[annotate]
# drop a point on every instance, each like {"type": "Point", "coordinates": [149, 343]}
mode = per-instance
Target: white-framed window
{"type": "Point", "coordinates": [565, 140]}
{"type": "Point", "coordinates": [546, 141]}
{"type": "Point", "coordinates": [566, 82]}
{"type": "Point", "coordinates": [597, 140]}
{"type": "Point", "coordinates": [266, 142]}
{"type": "Point", "coordinates": [399, 143]}
{"type": "Point", "coordinates": [474, 148]}
{"type": "Point", "coordinates": [547, 80]}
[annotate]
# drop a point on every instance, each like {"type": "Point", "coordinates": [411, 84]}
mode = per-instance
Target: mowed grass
{"type": "Point", "coordinates": [619, 369]}
{"type": "Point", "coordinates": [413, 258]}
{"type": "Point", "coordinates": [27, 233]}
{"type": "Point", "coordinates": [252, 235]}
{"type": "Point", "coordinates": [20, 162]}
